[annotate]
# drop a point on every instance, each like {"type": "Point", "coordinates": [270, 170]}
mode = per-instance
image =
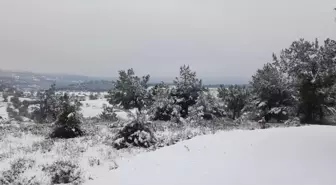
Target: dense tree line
{"type": "Point", "coordinates": [300, 82]}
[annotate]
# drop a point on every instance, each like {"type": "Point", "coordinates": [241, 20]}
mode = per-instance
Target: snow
{"type": "Point", "coordinates": [25, 99]}
{"type": "Point", "coordinates": [302, 155]}
{"type": "Point", "coordinates": [3, 111]}
{"type": "Point", "coordinates": [94, 109]}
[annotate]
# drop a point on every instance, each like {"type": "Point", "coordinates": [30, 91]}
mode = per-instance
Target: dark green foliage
{"type": "Point", "coordinates": [13, 113]}
{"type": "Point", "coordinates": [15, 101]}
{"type": "Point", "coordinates": [136, 133]}
{"type": "Point", "coordinates": [235, 98]}
{"type": "Point", "coordinates": [64, 172]}
{"type": "Point", "coordinates": [270, 85]}
{"type": "Point", "coordinates": [18, 93]}
{"type": "Point", "coordinates": [18, 167]}
{"type": "Point", "coordinates": [23, 111]}
{"type": "Point", "coordinates": [68, 121]}
{"type": "Point", "coordinates": [108, 114]}
{"type": "Point", "coordinates": [5, 97]}
{"type": "Point", "coordinates": [274, 93]}
{"type": "Point", "coordinates": [163, 107]}
{"type": "Point", "coordinates": [93, 96]}
{"type": "Point", "coordinates": [187, 88]}
{"type": "Point", "coordinates": [48, 106]}
{"type": "Point", "coordinates": [130, 91]}
{"type": "Point", "coordinates": [210, 105]}
{"type": "Point", "coordinates": [311, 69]}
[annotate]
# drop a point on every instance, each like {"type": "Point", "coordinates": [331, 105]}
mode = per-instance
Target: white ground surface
{"type": "Point", "coordinates": [94, 109]}
{"type": "Point", "coordinates": [303, 155]}
{"type": "Point", "coordinates": [3, 111]}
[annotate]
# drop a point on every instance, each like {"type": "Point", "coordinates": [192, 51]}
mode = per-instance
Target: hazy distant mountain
{"type": "Point", "coordinates": [30, 80]}
{"type": "Point", "coordinates": [93, 85]}
{"type": "Point", "coordinates": [23, 80]}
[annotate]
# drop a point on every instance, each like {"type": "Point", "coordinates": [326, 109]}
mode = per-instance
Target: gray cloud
{"type": "Point", "coordinates": [218, 38]}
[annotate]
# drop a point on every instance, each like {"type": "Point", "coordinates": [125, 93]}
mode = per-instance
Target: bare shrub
{"type": "Point", "coordinates": [94, 161]}
{"type": "Point", "coordinates": [63, 172]}
{"type": "Point", "coordinates": [13, 175]}
{"type": "Point", "coordinates": [45, 145]}
{"type": "Point", "coordinates": [293, 122]}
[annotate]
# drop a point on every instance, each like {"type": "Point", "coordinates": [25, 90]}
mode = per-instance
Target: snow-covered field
{"type": "Point", "coordinates": [296, 155]}
{"type": "Point", "coordinates": [92, 108]}
{"type": "Point", "coordinates": [304, 155]}
{"type": "Point", "coordinates": [300, 155]}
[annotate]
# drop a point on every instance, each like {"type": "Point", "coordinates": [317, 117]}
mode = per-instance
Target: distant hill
{"type": "Point", "coordinates": [30, 80]}
{"type": "Point", "coordinates": [93, 85]}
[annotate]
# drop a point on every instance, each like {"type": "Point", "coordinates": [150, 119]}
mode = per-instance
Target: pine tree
{"type": "Point", "coordinates": [130, 91]}
{"type": "Point", "coordinates": [48, 105]}
{"type": "Point", "coordinates": [274, 93]}
{"type": "Point", "coordinates": [163, 107]}
{"type": "Point", "coordinates": [186, 90]}
{"type": "Point", "coordinates": [312, 71]}
{"type": "Point", "coordinates": [68, 121]}
{"type": "Point", "coordinates": [235, 97]}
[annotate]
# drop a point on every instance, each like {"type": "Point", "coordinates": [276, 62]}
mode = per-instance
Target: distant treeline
{"type": "Point", "coordinates": [105, 85]}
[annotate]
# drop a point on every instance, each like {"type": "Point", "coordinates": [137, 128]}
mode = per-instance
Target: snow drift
{"type": "Point", "coordinates": [303, 155]}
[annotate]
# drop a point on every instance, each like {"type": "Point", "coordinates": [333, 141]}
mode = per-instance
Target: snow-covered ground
{"type": "Point", "coordinates": [303, 155]}
{"type": "Point", "coordinates": [25, 99]}
{"type": "Point", "coordinates": [92, 108]}
{"type": "Point", "coordinates": [3, 111]}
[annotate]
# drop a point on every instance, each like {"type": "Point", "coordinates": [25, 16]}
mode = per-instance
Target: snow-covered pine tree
{"type": "Point", "coordinates": [130, 91]}
{"type": "Point", "coordinates": [312, 70]}
{"type": "Point", "coordinates": [207, 107]}
{"type": "Point", "coordinates": [235, 98]}
{"type": "Point", "coordinates": [68, 121]}
{"type": "Point", "coordinates": [163, 104]}
{"type": "Point", "coordinates": [186, 90]}
{"type": "Point", "coordinates": [274, 94]}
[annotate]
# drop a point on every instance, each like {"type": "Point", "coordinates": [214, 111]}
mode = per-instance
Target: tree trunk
{"type": "Point", "coordinates": [234, 115]}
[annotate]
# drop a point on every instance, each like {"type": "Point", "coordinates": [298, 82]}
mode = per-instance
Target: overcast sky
{"type": "Point", "coordinates": [217, 38]}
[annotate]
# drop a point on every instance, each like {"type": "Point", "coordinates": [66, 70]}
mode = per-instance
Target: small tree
{"type": "Point", "coordinates": [5, 97]}
{"type": "Point", "coordinates": [48, 105]}
{"type": "Point", "coordinates": [108, 114]}
{"type": "Point", "coordinates": [93, 96]}
{"type": "Point", "coordinates": [13, 113]}
{"type": "Point", "coordinates": [130, 91]}
{"type": "Point", "coordinates": [274, 93]}
{"type": "Point", "coordinates": [137, 132]}
{"type": "Point", "coordinates": [163, 107]}
{"type": "Point", "coordinates": [68, 121]}
{"type": "Point", "coordinates": [207, 107]}
{"type": "Point", "coordinates": [23, 109]}
{"type": "Point", "coordinates": [187, 88]}
{"type": "Point", "coordinates": [15, 101]}
{"type": "Point", "coordinates": [235, 97]}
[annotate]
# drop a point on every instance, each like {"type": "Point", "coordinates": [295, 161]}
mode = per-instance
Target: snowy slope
{"type": "Point", "coordinates": [304, 155]}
